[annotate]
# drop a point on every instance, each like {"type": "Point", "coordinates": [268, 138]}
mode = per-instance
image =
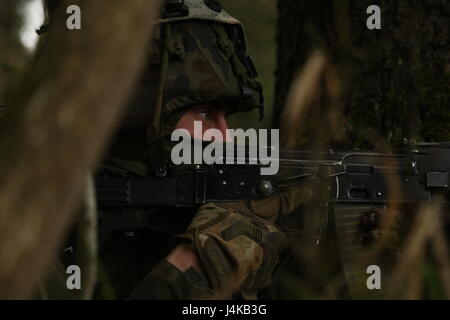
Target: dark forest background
{"type": "Point", "coordinates": [371, 89]}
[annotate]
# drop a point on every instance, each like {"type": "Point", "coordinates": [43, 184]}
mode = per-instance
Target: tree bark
{"type": "Point", "coordinates": [394, 81]}
{"type": "Point", "coordinates": [69, 101]}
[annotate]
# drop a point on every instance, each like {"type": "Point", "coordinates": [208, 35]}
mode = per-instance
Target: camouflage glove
{"type": "Point", "coordinates": [238, 244]}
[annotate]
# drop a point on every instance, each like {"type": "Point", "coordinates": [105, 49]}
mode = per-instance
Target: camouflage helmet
{"type": "Point", "coordinates": [199, 55]}
{"type": "Point", "coordinates": [209, 60]}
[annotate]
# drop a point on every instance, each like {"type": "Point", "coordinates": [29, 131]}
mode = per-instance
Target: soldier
{"type": "Point", "coordinates": [199, 70]}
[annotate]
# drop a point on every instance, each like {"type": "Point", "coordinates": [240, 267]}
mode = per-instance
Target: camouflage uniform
{"type": "Point", "coordinates": [198, 56]}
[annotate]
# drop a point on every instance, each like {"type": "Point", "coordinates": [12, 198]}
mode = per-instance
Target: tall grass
{"type": "Point", "coordinates": [411, 241]}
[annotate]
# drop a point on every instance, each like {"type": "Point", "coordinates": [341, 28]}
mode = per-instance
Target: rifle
{"type": "Point", "coordinates": [359, 187]}
{"type": "Point", "coordinates": [354, 177]}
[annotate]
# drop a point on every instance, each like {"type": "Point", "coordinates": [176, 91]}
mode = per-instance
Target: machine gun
{"type": "Point", "coordinates": [360, 186]}
{"type": "Point", "coordinates": [351, 177]}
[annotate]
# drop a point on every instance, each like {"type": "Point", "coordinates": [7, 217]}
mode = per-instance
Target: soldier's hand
{"type": "Point", "coordinates": [238, 244]}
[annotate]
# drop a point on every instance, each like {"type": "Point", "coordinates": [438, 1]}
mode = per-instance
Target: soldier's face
{"type": "Point", "coordinates": [211, 118]}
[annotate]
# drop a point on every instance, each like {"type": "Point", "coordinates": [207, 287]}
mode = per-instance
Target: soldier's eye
{"type": "Point", "coordinates": [203, 114]}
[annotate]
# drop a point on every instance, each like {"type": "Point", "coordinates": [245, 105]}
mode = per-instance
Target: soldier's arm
{"type": "Point", "coordinates": [228, 250]}
{"type": "Point", "coordinates": [179, 276]}
{"type": "Point", "coordinates": [184, 257]}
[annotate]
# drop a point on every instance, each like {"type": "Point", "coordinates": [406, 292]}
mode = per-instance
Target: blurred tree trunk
{"type": "Point", "coordinates": [394, 81]}
{"type": "Point", "coordinates": [67, 106]}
